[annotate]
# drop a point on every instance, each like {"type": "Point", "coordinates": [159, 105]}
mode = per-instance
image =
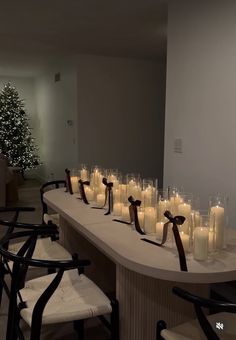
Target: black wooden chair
{"type": "Point", "coordinates": [45, 187]}
{"type": "Point", "coordinates": [216, 326]}
{"type": "Point", "coordinates": [67, 295]}
{"type": "Point", "coordinates": [46, 248]}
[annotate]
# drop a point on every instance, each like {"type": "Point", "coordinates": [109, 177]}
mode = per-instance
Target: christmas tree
{"type": "Point", "coordinates": [16, 141]}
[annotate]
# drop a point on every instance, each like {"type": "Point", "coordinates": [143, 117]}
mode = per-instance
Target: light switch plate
{"type": "Point", "coordinates": [178, 145]}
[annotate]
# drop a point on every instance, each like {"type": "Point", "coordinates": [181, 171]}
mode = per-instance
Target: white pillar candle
{"type": "Point", "coordinates": [200, 243]}
{"type": "Point", "coordinates": [116, 195]}
{"type": "Point", "coordinates": [159, 230]}
{"type": "Point", "coordinates": [84, 174]}
{"type": "Point", "coordinates": [125, 213]}
{"type": "Point", "coordinates": [162, 207]}
{"type": "Point", "coordinates": [175, 201]}
{"type": "Point", "coordinates": [117, 209]}
{"type": "Point", "coordinates": [150, 220]}
{"type": "Point", "coordinates": [101, 188]}
{"type": "Point", "coordinates": [184, 209]}
{"type": "Point", "coordinates": [211, 241]}
{"type": "Point", "coordinates": [74, 184]}
{"type": "Point", "coordinates": [217, 214]}
{"type": "Point", "coordinates": [141, 218]}
{"type": "Point", "coordinates": [123, 192]}
{"type": "Point", "coordinates": [185, 240]}
{"type": "Point", "coordinates": [197, 219]}
{"type": "Point", "coordinates": [147, 196]}
{"type": "Point", "coordinates": [101, 199]}
{"type": "Point", "coordinates": [89, 193]}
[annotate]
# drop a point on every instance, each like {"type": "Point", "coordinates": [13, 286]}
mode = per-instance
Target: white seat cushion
{"type": "Point", "coordinates": [45, 249]}
{"type": "Point", "coordinates": [52, 217]}
{"type": "Point", "coordinates": [76, 298]}
{"type": "Point", "coordinates": [192, 330]}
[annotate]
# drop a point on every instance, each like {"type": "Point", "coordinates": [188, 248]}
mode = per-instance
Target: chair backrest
{"type": "Point", "coordinates": [21, 261]}
{"type": "Point", "coordinates": [200, 303]}
{"type": "Point", "coordinates": [10, 224]}
{"type": "Point", "coordinates": [49, 186]}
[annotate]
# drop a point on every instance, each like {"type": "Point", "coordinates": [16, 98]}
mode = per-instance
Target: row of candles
{"type": "Point", "coordinates": [200, 234]}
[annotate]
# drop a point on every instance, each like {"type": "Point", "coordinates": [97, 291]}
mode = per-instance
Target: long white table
{"type": "Point", "coordinates": [145, 274]}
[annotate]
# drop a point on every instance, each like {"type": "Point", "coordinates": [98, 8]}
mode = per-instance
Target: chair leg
{"type": "Point", "coordinates": [79, 328]}
{"type": "Point", "coordinates": [115, 320]}
{"type": "Point", "coordinates": [2, 282]}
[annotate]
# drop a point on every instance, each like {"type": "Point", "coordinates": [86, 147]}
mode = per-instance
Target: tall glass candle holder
{"type": "Point", "coordinates": [149, 196]}
{"type": "Point", "coordinates": [134, 189]}
{"type": "Point", "coordinates": [185, 209]}
{"type": "Point", "coordinates": [201, 239]}
{"type": "Point", "coordinates": [218, 208]}
{"type": "Point", "coordinates": [113, 176]}
{"type": "Point", "coordinates": [163, 204]}
{"type": "Point", "coordinates": [84, 173]}
{"type": "Point", "coordinates": [74, 177]}
{"type": "Point", "coordinates": [96, 181]}
{"type": "Point", "coordinates": [175, 197]}
{"type": "Point", "coordinates": [125, 212]}
{"type": "Point", "coordinates": [117, 204]}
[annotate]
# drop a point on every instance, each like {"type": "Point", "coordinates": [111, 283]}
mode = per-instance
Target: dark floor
{"type": "Point", "coordinates": [29, 196]}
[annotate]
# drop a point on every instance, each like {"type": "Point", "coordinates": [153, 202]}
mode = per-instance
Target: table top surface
{"type": "Point", "coordinates": [123, 245]}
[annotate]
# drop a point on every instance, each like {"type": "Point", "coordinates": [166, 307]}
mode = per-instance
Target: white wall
{"type": "Point", "coordinates": [121, 114]}
{"type": "Point", "coordinates": [201, 98]}
{"type": "Point", "coordinates": [56, 104]}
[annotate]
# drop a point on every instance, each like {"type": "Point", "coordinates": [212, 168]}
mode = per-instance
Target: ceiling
{"type": "Point", "coordinates": [33, 33]}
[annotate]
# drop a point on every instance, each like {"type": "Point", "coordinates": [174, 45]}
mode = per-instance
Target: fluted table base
{"type": "Point", "coordinates": [144, 300]}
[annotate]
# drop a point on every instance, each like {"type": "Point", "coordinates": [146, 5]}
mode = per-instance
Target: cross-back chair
{"type": "Point", "coordinates": [64, 296]}
{"type": "Point", "coordinates": [46, 248]}
{"type": "Point", "coordinates": [216, 326]}
{"type": "Point", "coordinates": [45, 187]}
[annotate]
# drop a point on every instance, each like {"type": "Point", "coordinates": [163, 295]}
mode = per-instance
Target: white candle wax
{"type": "Point", "coordinates": [123, 192]}
{"type": "Point", "coordinates": [116, 195]}
{"type": "Point", "coordinates": [147, 196]}
{"type": "Point", "coordinates": [162, 207]}
{"type": "Point", "coordinates": [184, 209]}
{"type": "Point", "coordinates": [117, 209]}
{"type": "Point", "coordinates": [159, 230]}
{"type": "Point", "coordinates": [96, 178]}
{"type": "Point", "coordinates": [150, 220]}
{"type": "Point", "coordinates": [84, 174]}
{"type": "Point", "coordinates": [175, 201]}
{"type": "Point", "coordinates": [101, 199]}
{"type": "Point", "coordinates": [185, 240]}
{"type": "Point", "coordinates": [217, 214]}
{"type": "Point", "coordinates": [101, 188]}
{"type": "Point", "coordinates": [74, 184]}
{"type": "Point", "coordinates": [141, 218]}
{"type": "Point", "coordinates": [125, 213]}
{"type": "Point", "coordinates": [89, 193]}
{"type": "Point", "coordinates": [197, 219]}
{"type": "Point", "coordinates": [200, 243]}
{"type": "Point", "coordinates": [211, 241]}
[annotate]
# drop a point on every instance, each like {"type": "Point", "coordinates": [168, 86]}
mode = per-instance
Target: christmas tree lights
{"type": "Point", "coordinates": [16, 141]}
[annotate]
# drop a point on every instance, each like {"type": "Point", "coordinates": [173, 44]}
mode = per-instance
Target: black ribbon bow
{"type": "Point", "coordinates": [108, 196]}
{"type": "Point", "coordinates": [68, 182]}
{"type": "Point", "coordinates": [177, 220]}
{"type": "Point", "coordinates": [82, 191]}
{"type": "Point", "coordinates": [133, 212]}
